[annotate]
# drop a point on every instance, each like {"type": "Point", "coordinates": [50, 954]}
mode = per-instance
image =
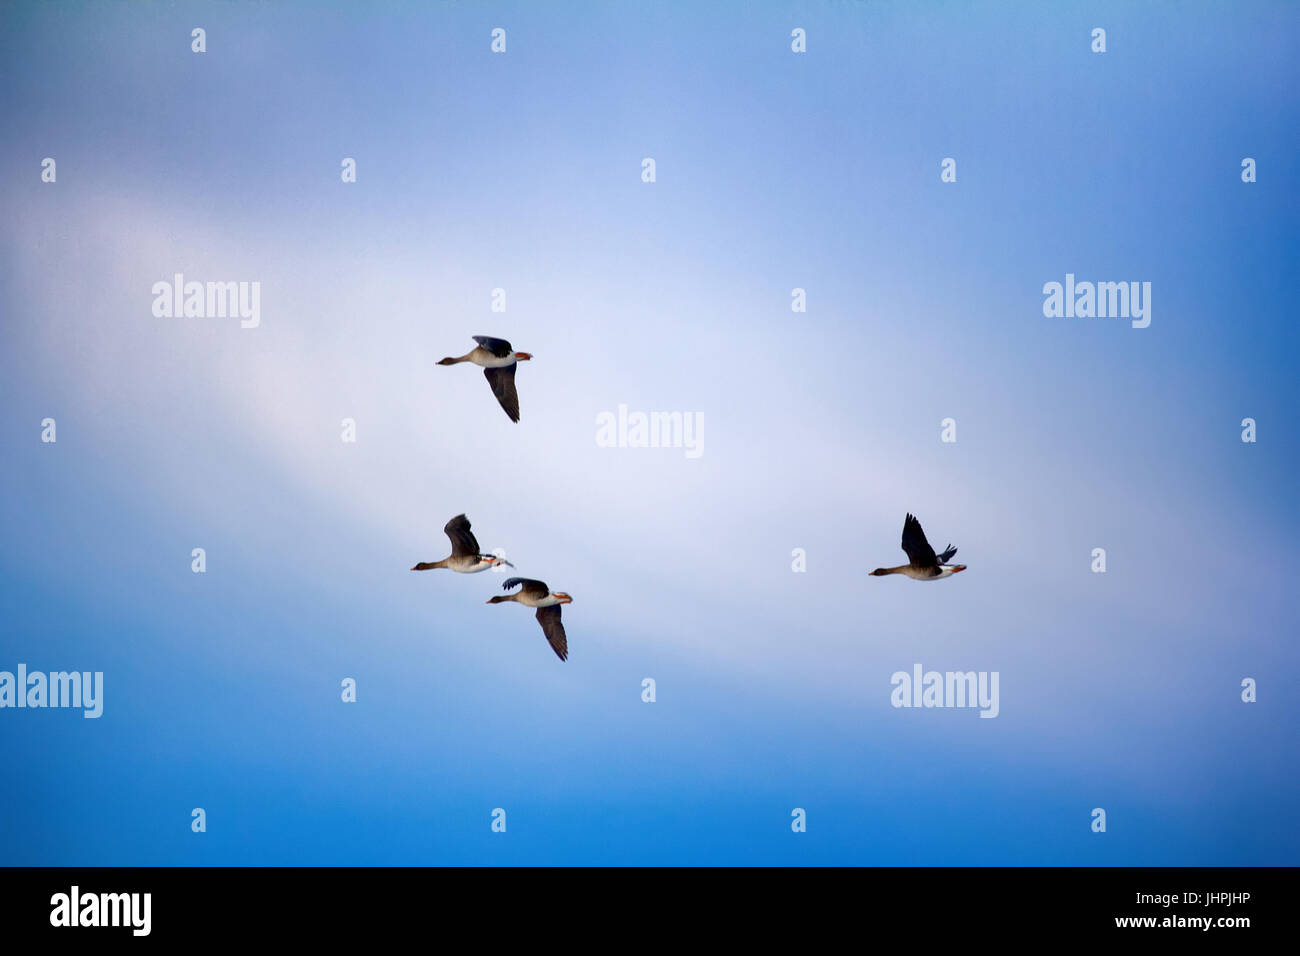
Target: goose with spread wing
{"type": "Point", "coordinates": [923, 564]}
{"type": "Point", "coordinates": [498, 359]}
{"type": "Point", "coordinates": [466, 556]}
{"type": "Point", "coordinates": [537, 594]}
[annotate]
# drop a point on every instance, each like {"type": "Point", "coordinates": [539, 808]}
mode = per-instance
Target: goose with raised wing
{"type": "Point", "coordinates": [498, 359]}
{"type": "Point", "coordinates": [466, 556]}
{"type": "Point", "coordinates": [537, 594]}
{"type": "Point", "coordinates": [923, 564]}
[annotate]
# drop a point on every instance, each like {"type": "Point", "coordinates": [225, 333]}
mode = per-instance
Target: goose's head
{"type": "Point", "coordinates": [879, 573]}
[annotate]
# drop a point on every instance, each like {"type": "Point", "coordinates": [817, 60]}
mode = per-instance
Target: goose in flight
{"type": "Point", "coordinates": [923, 564]}
{"type": "Point", "coordinates": [498, 360]}
{"type": "Point", "coordinates": [466, 556]}
{"type": "Point", "coordinates": [537, 594]}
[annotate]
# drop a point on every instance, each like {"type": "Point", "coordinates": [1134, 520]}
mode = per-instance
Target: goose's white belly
{"type": "Point", "coordinates": [917, 575]}
{"type": "Point", "coordinates": [470, 565]}
{"type": "Point", "coordinates": [485, 359]}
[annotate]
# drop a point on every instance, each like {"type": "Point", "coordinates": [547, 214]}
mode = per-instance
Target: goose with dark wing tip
{"type": "Point", "coordinates": [923, 564]}
{"type": "Point", "coordinates": [537, 594]}
{"type": "Point", "coordinates": [498, 359]}
{"type": "Point", "coordinates": [466, 556]}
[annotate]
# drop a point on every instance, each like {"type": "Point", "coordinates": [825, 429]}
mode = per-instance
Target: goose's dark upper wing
{"type": "Point", "coordinates": [498, 347]}
{"type": "Point", "coordinates": [918, 549]}
{"type": "Point", "coordinates": [553, 628]}
{"type": "Point", "coordinates": [463, 541]}
{"type": "Point", "coordinates": [531, 587]}
{"type": "Point", "coordinates": [502, 381]}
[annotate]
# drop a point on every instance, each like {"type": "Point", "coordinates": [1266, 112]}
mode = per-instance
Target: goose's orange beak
{"type": "Point", "coordinates": [523, 356]}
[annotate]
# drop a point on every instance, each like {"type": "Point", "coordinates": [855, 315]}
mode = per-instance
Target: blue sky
{"type": "Point", "coordinates": [775, 170]}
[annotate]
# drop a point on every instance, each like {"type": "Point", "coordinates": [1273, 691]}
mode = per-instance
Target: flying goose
{"type": "Point", "coordinates": [498, 361]}
{"type": "Point", "coordinates": [537, 594]}
{"type": "Point", "coordinates": [466, 556]}
{"type": "Point", "coordinates": [923, 564]}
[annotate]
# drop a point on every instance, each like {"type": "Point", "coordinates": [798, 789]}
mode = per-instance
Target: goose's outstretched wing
{"type": "Point", "coordinates": [918, 549]}
{"type": "Point", "coordinates": [532, 587]}
{"type": "Point", "coordinates": [463, 541]}
{"type": "Point", "coordinates": [498, 347]}
{"type": "Point", "coordinates": [502, 381]}
{"type": "Point", "coordinates": [553, 628]}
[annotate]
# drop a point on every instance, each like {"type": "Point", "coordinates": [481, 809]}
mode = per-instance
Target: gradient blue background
{"type": "Point", "coordinates": [820, 431]}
